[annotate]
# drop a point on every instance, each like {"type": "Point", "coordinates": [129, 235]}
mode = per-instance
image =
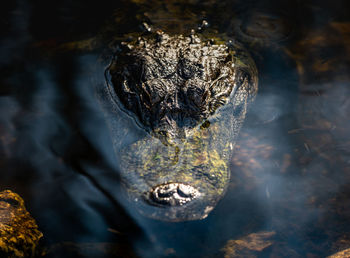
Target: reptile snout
{"type": "Point", "coordinates": [173, 194]}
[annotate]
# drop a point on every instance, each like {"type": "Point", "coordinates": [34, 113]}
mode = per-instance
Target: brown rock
{"type": "Point", "coordinates": [248, 246]}
{"type": "Point", "coordinates": [342, 254]}
{"type": "Point", "coordinates": [19, 234]}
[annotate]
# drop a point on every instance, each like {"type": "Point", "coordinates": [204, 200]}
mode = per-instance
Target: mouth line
{"type": "Point", "coordinates": [171, 195]}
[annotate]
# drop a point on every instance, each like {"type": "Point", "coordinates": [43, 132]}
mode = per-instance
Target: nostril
{"type": "Point", "coordinates": [165, 191]}
{"type": "Point", "coordinates": [173, 194]}
{"type": "Point", "coordinates": [186, 191]}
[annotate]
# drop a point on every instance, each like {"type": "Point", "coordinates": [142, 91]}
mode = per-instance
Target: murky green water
{"type": "Point", "coordinates": [291, 168]}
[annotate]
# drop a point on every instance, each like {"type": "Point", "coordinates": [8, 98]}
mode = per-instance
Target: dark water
{"type": "Point", "coordinates": [291, 168]}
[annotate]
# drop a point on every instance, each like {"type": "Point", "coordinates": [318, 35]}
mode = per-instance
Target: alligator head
{"type": "Point", "coordinates": [190, 96]}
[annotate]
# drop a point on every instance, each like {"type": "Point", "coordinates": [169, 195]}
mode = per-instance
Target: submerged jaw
{"type": "Point", "coordinates": [175, 183]}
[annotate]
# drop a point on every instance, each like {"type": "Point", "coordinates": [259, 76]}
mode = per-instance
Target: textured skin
{"type": "Point", "coordinates": [191, 97]}
{"type": "Point", "coordinates": [175, 83]}
{"type": "Point", "coordinates": [19, 234]}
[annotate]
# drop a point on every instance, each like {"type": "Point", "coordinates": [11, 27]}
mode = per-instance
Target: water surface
{"type": "Point", "coordinates": [291, 167]}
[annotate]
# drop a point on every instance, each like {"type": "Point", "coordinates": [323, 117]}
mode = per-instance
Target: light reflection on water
{"type": "Point", "coordinates": [290, 171]}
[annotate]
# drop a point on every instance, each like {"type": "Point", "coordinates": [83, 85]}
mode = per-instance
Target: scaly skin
{"type": "Point", "coordinates": [191, 96]}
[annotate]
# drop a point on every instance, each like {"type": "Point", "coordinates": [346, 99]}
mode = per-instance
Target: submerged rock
{"type": "Point", "coordinates": [248, 246]}
{"type": "Point", "coordinates": [342, 254]}
{"type": "Point", "coordinates": [19, 233]}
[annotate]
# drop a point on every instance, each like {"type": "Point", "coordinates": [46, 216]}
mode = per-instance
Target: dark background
{"type": "Point", "coordinates": [291, 167]}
